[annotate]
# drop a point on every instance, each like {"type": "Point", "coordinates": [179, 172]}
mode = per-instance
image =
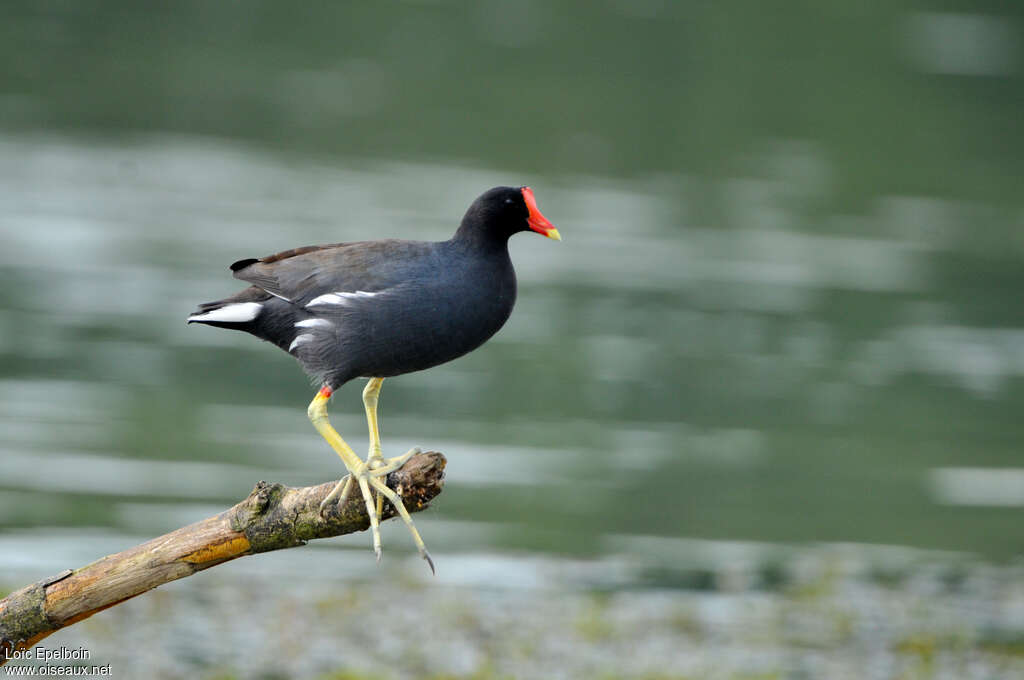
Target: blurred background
{"type": "Point", "coordinates": [757, 416]}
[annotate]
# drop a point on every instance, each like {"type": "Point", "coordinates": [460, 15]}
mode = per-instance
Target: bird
{"type": "Point", "coordinates": [379, 309]}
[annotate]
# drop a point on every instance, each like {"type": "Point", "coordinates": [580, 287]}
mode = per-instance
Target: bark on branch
{"type": "Point", "coordinates": [271, 518]}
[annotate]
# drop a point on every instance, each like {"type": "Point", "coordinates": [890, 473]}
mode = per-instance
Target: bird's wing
{"type": "Point", "coordinates": [303, 274]}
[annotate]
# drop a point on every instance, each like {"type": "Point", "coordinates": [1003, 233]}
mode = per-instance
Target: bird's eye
{"type": "Point", "coordinates": [509, 201]}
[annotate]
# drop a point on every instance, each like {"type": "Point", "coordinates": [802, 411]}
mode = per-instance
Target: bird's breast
{"type": "Point", "coordinates": [435, 320]}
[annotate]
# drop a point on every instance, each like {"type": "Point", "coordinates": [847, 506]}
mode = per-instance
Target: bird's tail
{"type": "Point", "coordinates": [237, 311]}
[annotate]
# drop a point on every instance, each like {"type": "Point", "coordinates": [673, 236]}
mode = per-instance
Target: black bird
{"type": "Point", "coordinates": [376, 309]}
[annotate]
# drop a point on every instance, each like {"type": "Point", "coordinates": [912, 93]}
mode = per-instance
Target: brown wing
{"type": "Point", "coordinates": [303, 273]}
{"type": "Point", "coordinates": [257, 270]}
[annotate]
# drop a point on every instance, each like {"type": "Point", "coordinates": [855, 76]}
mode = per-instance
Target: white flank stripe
{"type": "Point", "coordinates": [338, 298]}
{"type": "Point", "coordinates": [235, 313]}
{"type": "Point", "coordinates": [314, 323]}
{"type": "Point", "coordinates": [328, 299]}
{"type": "Point", "coordinates": [300, 340]}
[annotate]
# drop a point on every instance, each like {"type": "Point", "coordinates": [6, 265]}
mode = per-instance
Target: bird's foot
{"type": "Point", "coordinates": [372, 475]}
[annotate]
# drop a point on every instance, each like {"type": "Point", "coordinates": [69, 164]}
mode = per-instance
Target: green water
{"type": "Point", "coordinates": [786, 310]}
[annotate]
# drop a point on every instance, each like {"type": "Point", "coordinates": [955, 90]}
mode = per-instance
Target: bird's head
{"type": "Point", "coordinates": [503, 211]}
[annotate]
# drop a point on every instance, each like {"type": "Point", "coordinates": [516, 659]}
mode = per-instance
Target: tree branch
{"type": "Point", "coordinates": [271, 518]}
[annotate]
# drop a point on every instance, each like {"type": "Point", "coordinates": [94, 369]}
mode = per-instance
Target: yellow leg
{"type": "Point", "coordinates": [370, 395]}
{"type": "Point", "coordinates": [374, 459]}
{"type": "Point", "coordinates": [317, 412]}
{"type": "Point", "coordinates": [366, 475]}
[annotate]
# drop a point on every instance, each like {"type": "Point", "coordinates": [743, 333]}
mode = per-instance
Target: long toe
{"type": "Point", "coordinates": [399, 506]}
{"type": "Point", "coordinates": [364, 486]}
{"type": "Point", "coordinates": [389, 465]}
{"type": "Point", "coordinates": [370, 479]}
{"type": "Point", "coordinates": [340, 491]}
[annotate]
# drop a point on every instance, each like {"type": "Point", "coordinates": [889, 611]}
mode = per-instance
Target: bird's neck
{"type": "Point", "coordinates": [472, 238]}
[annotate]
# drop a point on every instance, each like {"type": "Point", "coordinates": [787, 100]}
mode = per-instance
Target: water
{"type": "Point", "coordinates": [784, 324]}
{"type": "Point", "coordinates": [661, 380]}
